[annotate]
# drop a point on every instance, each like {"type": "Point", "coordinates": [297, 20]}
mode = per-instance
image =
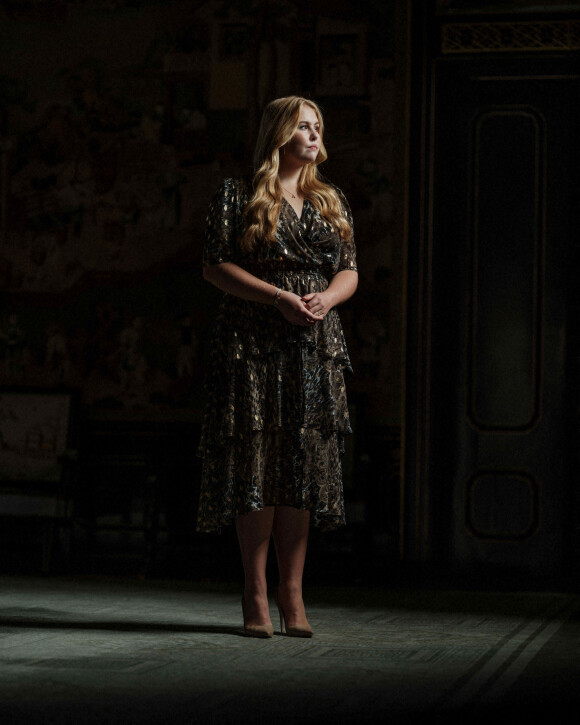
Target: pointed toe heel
{"type": "Point", "coordinates": [262, 631]}
{"type": "Point", "coordinates": [296, 630]}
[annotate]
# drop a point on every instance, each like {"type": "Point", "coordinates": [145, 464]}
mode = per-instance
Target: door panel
{"type": "Point", "coordinates": [501, 239]}
{"type": "Point", "coordinates": [506, 248]}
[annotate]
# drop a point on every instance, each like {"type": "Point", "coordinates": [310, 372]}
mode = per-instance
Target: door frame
{"type": "Point", "coordinates": [429, 34]}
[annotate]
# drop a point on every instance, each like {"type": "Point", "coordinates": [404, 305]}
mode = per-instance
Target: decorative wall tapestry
{"type": "Point", "coordinates": [104, 180]}
{"type": "Point", "coordinates": [115, 130]}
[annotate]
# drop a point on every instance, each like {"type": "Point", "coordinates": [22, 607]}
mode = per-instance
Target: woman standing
{"type": "Point", "coordinates": [280, 245]}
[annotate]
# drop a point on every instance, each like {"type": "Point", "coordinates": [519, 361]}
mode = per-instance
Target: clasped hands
{"type": "Point", "coordinates": [306, 310]}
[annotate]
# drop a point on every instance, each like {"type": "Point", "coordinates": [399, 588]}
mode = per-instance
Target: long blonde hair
{"type": "Point", "coordinates": [279, 123]}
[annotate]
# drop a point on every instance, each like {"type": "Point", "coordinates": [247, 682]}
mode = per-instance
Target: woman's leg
{"type": "Point", "coordinates": [254, 532]}
{"type": "Point", "coordinates": [290, 531]}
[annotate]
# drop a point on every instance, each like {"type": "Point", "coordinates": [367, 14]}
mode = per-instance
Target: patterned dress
{"type": "Point", "coordinates": [276, 412]}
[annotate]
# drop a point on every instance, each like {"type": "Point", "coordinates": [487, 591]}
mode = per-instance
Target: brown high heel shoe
{"type": "Point", "coordinates": [264, 631]}
{"type": "Point", "coordinates": [296, 631]}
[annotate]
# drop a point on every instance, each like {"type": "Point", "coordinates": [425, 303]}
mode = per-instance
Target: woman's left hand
{"type": "Point", "coordinates": [319, 303]}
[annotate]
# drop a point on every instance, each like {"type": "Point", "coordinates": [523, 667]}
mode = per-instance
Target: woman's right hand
{"type": "Point", "coordinates": [295, 311]}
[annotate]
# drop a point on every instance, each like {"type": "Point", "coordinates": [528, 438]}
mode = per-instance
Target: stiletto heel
{"type": "Point", "coordinates": [263, 631]}
{"type": "Point", "coordinates": [297, 630]}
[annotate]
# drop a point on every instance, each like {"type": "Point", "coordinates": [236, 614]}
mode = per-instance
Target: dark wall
{"type": "Point", "coordinates": [118, 120]}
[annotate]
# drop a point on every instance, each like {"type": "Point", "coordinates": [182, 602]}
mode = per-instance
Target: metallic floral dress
{"type": "Point", "coordinates": [276, 412]}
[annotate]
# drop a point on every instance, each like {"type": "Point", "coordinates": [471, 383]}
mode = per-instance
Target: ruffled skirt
{"type": "Point", "coordinates": [276, 412]}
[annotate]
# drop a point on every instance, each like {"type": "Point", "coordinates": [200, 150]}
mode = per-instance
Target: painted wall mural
{"type": "Point", "coordinates": [118, 119]}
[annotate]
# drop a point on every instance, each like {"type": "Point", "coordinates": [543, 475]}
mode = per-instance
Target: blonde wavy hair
{"type": "Point", "coordinates": [279, 122]}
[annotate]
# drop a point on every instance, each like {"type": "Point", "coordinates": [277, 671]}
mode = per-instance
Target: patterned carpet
{"type": "Point", "coordinates": [88, 650]}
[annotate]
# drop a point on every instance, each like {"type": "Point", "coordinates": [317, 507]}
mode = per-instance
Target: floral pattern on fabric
{"type": "Point", "coordinates": [276, 412]}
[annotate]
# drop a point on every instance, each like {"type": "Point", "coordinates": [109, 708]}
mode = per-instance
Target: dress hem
{"type": "Point", "coordinates": [320, 521]}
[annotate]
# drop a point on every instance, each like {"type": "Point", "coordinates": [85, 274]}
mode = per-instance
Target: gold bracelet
{"type": "Point", "coordinates": [277, 297]}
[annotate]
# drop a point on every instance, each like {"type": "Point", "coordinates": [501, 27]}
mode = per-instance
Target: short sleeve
{"type": "Point", "coordinates": [221, 226]}
{"type": "Point", "coordinates": [347, 259]}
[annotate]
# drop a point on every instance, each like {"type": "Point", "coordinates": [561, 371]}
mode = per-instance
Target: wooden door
{"type": "Point", "coordinates": [500, 278]}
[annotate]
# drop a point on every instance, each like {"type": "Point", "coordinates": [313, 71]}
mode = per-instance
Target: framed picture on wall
{"type": "Point", "coordinates": [233, 41]}
{"type": "Point", "coordinates": [340, 60]}
{"type": "Point", "coordinates": [36, 430]}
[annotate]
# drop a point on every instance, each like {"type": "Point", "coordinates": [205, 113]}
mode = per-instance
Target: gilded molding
{"type": "Point", "coordinates": [497, 37]}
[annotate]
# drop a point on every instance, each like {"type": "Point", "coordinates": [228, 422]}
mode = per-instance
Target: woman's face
{"type": "Point", "coordinates": [303, 147]}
